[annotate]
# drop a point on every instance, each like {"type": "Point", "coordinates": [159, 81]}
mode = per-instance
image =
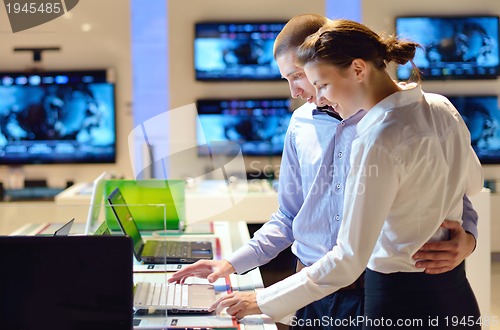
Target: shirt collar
{"type": "Point", "coordinates": [328, 110]}
{"type": "Point", "coordinates": [398, 99]}
{"type": "Point", "coordinates": [354, 119]}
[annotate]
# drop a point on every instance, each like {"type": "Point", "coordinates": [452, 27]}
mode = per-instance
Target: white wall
{"type": "Point", "coordinates": [379, 15]}
{"type": "Point", "coordinates": [182, 15]}
{"type": "Point", "coordinates": [106, 45]}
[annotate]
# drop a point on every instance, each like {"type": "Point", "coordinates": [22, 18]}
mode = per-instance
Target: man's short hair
{"type": "Point", "coordinates": [296, 31]}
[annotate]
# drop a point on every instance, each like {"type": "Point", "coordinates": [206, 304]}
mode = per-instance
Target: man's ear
{"type": "Point", "coordinates": [359, 66]}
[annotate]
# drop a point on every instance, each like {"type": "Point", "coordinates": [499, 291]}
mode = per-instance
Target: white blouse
{"type": "Point", "coordinates": [410, 167]}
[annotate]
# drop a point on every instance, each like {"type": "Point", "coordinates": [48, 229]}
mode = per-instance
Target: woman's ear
{"type": "Point", "coordinates": [359, 66]}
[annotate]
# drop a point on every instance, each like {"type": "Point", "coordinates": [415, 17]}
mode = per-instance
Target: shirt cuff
{"type": "Point", "coordinates": [281, 299]}
{"type": "Point", "coordinates": [470, 228]}
{"type": "Point", "coordinates": [243, 259]}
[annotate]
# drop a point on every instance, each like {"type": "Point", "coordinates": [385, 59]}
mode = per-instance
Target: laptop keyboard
{"type": "Point", "coordinates": [173, 249]}
{"type": "Point", "coordinates": [160, 295]}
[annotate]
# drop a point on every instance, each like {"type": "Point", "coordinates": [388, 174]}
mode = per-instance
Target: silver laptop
{"type": "Point", "coordinates": [175, 298]}
{"type": "Point", "coordinates": [96, 201]}
{"type": "Point", "coordinates": [60, 231]}
{"type": "Point", "coordinates": [65, 229]}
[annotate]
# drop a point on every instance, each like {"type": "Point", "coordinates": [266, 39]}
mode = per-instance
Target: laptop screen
{"type": "Point", "coordinates": [65, 229]}
{"type": "Point", "coordinates": [73, 282]}
{"type": "Point", "coordinates": [96, 201]}
{"type": "Point", "coordinates": [125, 219]}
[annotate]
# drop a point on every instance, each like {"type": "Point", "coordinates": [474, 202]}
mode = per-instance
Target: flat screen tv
{"type": "Point", "coordinates": [454, 47]}
{"type": "Point", "coordinates": [235, 51]}
{"type": "Point", "coordinates": [257, 127]}
{"type": "Point", "coordinates": [55, 117]}
{"type": "Point", "coordinates": [482, 116]}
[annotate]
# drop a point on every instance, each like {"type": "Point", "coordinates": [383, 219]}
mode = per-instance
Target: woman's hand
{"type": "Point", "coordinates": [239, 304]}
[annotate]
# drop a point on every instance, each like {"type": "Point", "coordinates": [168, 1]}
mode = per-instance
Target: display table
{"type": "Point", "coordinates": [34, 215]}
{"type": "Point", "coordinates": [230, 236]}
{"type": "Point", "coordinates": [214, 200]}
{"type": "Point", "coordinates": [256, 201]}
{"type": "Point", "coordinates": [233, 235]}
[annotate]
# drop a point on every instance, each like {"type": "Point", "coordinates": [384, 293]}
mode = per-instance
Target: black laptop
{"type": "Point", "coordinates": [66, 282]}
{"type": "Point", "coordinates": [156, 251]}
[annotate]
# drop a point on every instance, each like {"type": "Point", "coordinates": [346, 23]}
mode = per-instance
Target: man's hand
{"type": "Point", "coordinates": [209, 269]}
{"type": "Point", "coordinates": [239, 304]}
{"type": "Point", "coordinates": [443, 256]}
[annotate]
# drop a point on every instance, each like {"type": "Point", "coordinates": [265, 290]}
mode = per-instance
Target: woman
{"type": "Point", "coordinates": [410, 166]}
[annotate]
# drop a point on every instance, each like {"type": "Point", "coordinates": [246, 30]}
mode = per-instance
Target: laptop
{"type": "Point", "coordinates": [60, 231]}
{"type": "Point", "coordinates": [96, 200]}
{"type": "Point", "coordinates": [175, 298]}
{"type": "Point", "coordinates": [156, 251]}
{"type": "Point", "coordinates": [102, 230]}
{"type": "Point", "coordinates": [51, 282]}
{"type": "Point", "coordinates": [65, 229]}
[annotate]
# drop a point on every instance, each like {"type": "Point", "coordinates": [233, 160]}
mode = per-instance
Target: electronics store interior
{"type": "Point", "coordinates": [130, 122]}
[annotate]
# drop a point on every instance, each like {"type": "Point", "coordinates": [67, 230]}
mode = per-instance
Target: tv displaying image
{"type": "Point", "coordinates": [458, 47]}
{"type": "Point", "coordinates": [235, 51]}
{"type": "Point", "coordinates": [257, 127]}
{"type": "Point", "coordinates": [482, 116]}
{"type": "Point", "coordinates": [57, 117]}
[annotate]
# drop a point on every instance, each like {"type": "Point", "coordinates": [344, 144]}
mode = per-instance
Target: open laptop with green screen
{"type": "Point", "coordinates": [142, 193]}
{"type": "Point", "coordinates": [102, 230]}
{"type": "Point", "coordinates": [156, 251]}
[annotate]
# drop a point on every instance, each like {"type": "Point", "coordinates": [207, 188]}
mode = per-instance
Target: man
{"type": "Point", "coordinates": [313, 172]}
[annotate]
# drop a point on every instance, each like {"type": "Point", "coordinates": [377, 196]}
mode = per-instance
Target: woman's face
{"type": "Point", "coordinates": [334, 86]}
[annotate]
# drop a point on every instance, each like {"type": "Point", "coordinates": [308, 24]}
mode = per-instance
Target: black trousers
{"type": "Point", "coordinates": [420, 301]}
{"type": "Point", "coordinates": [339, 310]}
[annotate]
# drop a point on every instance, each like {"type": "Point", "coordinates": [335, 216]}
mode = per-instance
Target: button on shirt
{"type": "Point", "coordinates": [411, 166]}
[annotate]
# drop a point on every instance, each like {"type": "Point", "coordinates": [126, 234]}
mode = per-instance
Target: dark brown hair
{"type": "Point", "coordinates": [341, 41]}
{"type": "Point", "coordinates": [296, 31]}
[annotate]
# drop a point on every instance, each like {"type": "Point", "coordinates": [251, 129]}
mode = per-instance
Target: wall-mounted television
{"type": "Point", "coordinates": [234, 51]}
{"type": "Point", "coordinates": [57, 117]}
{"type": "Point", "coordinates": [454, 47]}
{"type": "Point", "coordinates": [257, 127]}
{"type": "Point", "coordinates": [482, 116]}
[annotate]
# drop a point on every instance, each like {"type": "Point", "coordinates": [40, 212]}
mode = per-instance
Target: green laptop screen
{"type": "Point", "coordinates": [142, 193]}
{"type": "Point", "coordinates": [125, 219]}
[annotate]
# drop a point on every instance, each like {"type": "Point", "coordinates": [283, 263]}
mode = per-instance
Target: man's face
{"type": "Point", "coordinates": [297, 80]}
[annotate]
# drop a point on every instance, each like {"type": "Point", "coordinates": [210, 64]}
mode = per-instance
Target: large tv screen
{"type": "Point", "coordinates": [236, 51]}
{"type": "Point", "coordinates": [257, 127]}
{"type": "Point", "coordinates": [57, 117]}
{"type": "Point", "coordinates": [458, 47]}
{"type": "Point", "coordinates": [482, 116]}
